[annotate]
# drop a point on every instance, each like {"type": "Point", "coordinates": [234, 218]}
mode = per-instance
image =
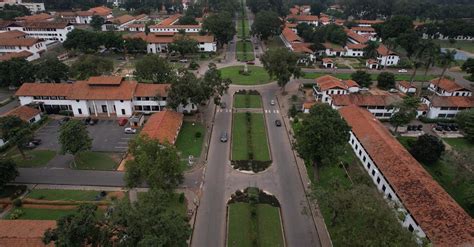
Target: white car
{"type": "Point", "coordinates": [129, 130]}
{"type": "Point", "coordinates": [402, 71]}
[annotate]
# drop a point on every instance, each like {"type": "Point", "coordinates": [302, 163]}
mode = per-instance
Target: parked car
{"type": "Point", "coordinates": [129, 130]}
{"type": "Point", "coordinates": [402, 71]}
{"type": "Point", "coordinates": [64, 120]}
{"type": "Point", "coordinates": [272, 102]}
{"type": "Point", "coordinates": [122, 121]}
{"type": "Point", "coordinates": [224, 137]}
{"type": "Point", "coordinates": [278, 123]}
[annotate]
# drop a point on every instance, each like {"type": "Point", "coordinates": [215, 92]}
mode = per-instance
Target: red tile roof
{"type": "Point", "coordinates": [24, 112]}
{"type": "Point", "coordinates": [452, 101]}
{"type": "Point", "coordinates": [163, 126]}
{"type": "Point", "coordinates": [365, 100]}
{"type": "Point", "coordinates": [24, 233]}
{"type": "Point", "coordinates": [327, 82]}
{"type": "Point", "coordinates": [447, 84]}
{"type": "Point", "coordinates": [440, 217]}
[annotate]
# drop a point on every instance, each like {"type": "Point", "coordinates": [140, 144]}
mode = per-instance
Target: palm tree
{"type": "Point", "coordinates": [370, 51]}
{"type": "Point", "coordinates": [445, 59]}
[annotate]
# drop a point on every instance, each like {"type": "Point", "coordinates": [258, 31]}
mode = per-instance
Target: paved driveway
{"type": "Point", "coordinates": [107, 136]}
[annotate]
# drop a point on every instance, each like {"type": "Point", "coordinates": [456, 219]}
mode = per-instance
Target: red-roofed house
{"type": "Point", "coordinates": [163, 126]}
{"type": "Point", "coordinates": [422, 205]}
{"type": "Point", "coordinates": [447, 87]}
{"type": "Point", "coordinates": [327, 86]}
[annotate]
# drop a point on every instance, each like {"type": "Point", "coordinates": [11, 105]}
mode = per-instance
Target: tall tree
{"type": "Point", "coordinates": [155, 69]}
{"type": "Point", "coordinates": [96, 22]}
{"type": "Point", "coordinates": [427, 149]}
{"type": "Point", "coordinates": [266, 24]}
{"type": "Point", "coordinates": [52, 70]}
{"type": "Point", "coordinates": [221, 26]}
{"type": "Point", "coordinates": [155, 163]}
{"type": "Point", "coordinates": [386, 80]}
{"type": "Point", "coordinates": [322, 136]}
{"type": "Point", "coordinates": [370, 51]}
{"type": "Point", "coordinates": [282, 64]}
{"type": "Point", "coordinates": [89, 65]}
{"type": "Point", "coordinates": [16, 132]}
{"type": "Point", "coordinates": [8, 172]}
{"type": "Point", "coordinates": [74, 138]}
{"type": "Point", "coordinates": [405, 111]}
{"type": "Point", "coordinates": [184, 45]}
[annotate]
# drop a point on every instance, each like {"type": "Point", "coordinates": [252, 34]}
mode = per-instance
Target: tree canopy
{"type": "Point", "coordinates": [155, 69]}
{"type": "Point", "coordinates": [282, 64]}
{"type": "Point", "coordinates": [427, 149]}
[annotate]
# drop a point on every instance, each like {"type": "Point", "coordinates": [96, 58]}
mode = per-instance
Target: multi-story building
{"type": "Point", "coordinates": [107, 96]}
{"type": "Point", "coordinates": [447, 87]}
{"type": "Point", "coordinates": [421, 204]}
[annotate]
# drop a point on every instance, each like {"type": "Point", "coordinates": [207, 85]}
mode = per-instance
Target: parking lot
{"type": "Point", "coordinates": [107, 136]}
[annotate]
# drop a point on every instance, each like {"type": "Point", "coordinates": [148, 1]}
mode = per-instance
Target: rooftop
{"type": "Point", "coordinates": [441, 218]}
{"type": "Point", "coordinates": [163, 126]}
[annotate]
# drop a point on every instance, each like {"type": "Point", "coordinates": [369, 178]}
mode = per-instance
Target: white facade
{"type": "Point", "coordinates": [383, 186]}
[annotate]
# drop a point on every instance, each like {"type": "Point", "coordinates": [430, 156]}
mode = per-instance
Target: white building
{"type": "Point", "coordinates": [158, 43]}
{"type": "Point", "coordinates": [426, 209]}
{"type": "Point", "coordinates": [328, 86]}
{"type": "Point", "coordinates": [447, 87]}
{"type": "Point", "coordinates": [45, 30]}
{"type": "Point", "coordinates": [447, 107]}
{"type": "Point", "coordinates": [380, 105]}
{"type": "Point", "coordinates": [16, 42]}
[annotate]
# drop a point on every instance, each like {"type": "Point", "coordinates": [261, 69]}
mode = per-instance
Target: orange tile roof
{"type": "Point", "coordinates": [151, 90]}
{"type": "Point", "coordinates": [18, 42]}
{"type": "Point", "coordinates": [440, 217]}
{"type": "Point", "coordinates": [327, 82]}
{"type": "Point", "coordinates": [163, 126]}
{"type": "Point", "coordinates": [365, 100]}
{"type": "Point", "coordinates": [12, 34]}
{"type": "Point", "coordinates": [290, 36]}
{"type": "Point", "coordinates": [10, 55]}
{"type": "Point", "coordinates": [452, 101]}
{"type": "Point", "coordinates": [447, 84]}
{"type": "Point", "coordinates": [24, 112]}
{"type": "Point", "coordinates": [24, 233]}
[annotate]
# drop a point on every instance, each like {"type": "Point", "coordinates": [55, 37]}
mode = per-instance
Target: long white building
{"type": "Point", "coordinates": [427, 209]}
{"type": "Point", "coordinates": [106, 96]}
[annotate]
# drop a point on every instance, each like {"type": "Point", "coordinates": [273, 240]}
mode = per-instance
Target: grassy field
{"type": "Point", "coordinates": [259, 147]}
{"type": "Point", "coordinates": [187, 142]}
{"type": "Point", "coordinates": [63, 195]}
{"type": "Point", "coordinates": [95, 161]}
{"type": "Point", "coordinates": [43, 213]}
{"type": "Point", "coordinates": [346, 76]}
{"type": "Point", "coordinates": [244, 51]}
{"type": "Point", "coordinates": [247, 101]}
{"type": "Point", "coordinates": [34, 158]}
{"type": "Point", "coordinates": [241, 232]}
{"type": "Point", "coordinates": [257, 76]}
{"type": "Point", "coordinates": [461, 45]}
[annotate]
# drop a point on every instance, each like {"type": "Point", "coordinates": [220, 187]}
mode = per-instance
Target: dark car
{"type": "Point", "coordinates": [224, 137]}
{"type": "Point", "coordinates": [278, 123]}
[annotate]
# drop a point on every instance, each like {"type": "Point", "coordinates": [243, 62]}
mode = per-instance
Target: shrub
{"type": "Point", "coordinates": [17, 203]}
{"type": "Point", "coordinates": [198, 134]}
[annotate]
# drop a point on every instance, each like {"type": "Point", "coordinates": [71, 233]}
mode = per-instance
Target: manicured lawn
{"type": "Point", "coordinates": [257, 76]}
{"type": "Point", "coordinates": [34, 158]}
{"type": "Point", "coordinates": [240, 230]}
{"type": "Point", "coordinates": [43, 213]}
{"type": "Point", "coordinates": [244, 51]}
{"type": "Point", "coordinates": [461, 45]}
{"type": "Point", "coordinates": [187, 142]}
{"type": "Point", "coordinates": [95, 161]}
{"type": "Point", "coordinates": [247, 101]}
{"type": "Point", "coordinates": [63, 195]}
{"type": "Point", "coordinates": [240, 148]}
{"type": "Point", "coordinates": [346, 76]}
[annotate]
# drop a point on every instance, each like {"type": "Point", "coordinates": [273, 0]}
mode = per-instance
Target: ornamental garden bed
{"type": "Point", "coordinates": [254, 219]}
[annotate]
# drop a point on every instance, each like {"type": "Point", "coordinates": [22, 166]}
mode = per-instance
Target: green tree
{"type": "Point", "coordinates": [184, 45]}
{"type": "Point", "coordinates": [74, 138]}
{"type": "Point", "coordinates": [465, 120]}
{"type": "Point", "coordinates": [8, 172]}
{"type": "Point", "coordinates": [362, 78]}
{"type": "Point", "coordinates": [266, 24]}
{"type": "Point", "coordinates": [89, 65]}
{"type": "Point", "coordinates": [370, 51]}
{"type": "Point", "coordinates": [386, 80]}
{"type": "Point", "coordinates": [96, 22]}
{"type": "Point", "coordinates": [427, 149]}
{"type": "Point", "coordinates": [16, 132]}
{"type": "Point", "coordinates": [468, 66]}
{"type": "Point", "coordinates": [322, 135]}
{"type": "Point", "coordinates": [282, 64]}
{"type": "Point", "coordinates": [221, 26]}
{"type": "Point", "coordinates": [405, 111]}
{"type": "Point", "coordinates": [155, 69]}
{"type": "Point", "coordinates": [15, 72]}
{"type": "Point", "coordinates": [52, 70]}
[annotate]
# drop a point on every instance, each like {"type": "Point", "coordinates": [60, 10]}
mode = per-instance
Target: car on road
{"type": "Point", "coordinates": [224, 137]}
{"type": "Point", "coordinates": [129, 130]}
{"type": "Point", "coordinates": [402, 71]}
{"type": "Point", "coordinates": [122, 121]}
{"type": "Point", "coordinates": [272, 102]}
{"type": "Point", "coordinates": [278, 123]}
